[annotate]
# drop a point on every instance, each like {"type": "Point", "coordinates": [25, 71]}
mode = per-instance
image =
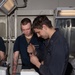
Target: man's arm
{"type": "Point", "coordinates": [15, 62]}
{"type": "Point", "coordinates": [37, 63]}
{"type": "Point", "coordinates": [2, 49]}
{"type": "Point", "coordinates": [2, 55]}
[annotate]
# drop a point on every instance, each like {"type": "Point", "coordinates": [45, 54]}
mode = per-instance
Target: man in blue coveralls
{"type": "Point", "coordinates": [56, 53]}
{"type": "Point", "coordinates": [21, 44]}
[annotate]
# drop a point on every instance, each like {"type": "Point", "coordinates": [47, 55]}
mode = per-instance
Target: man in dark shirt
{"type": "Point", "coordinates": [21, 44]}
{"type": "Point", "coordinates": [56, 53]}
{"type": "Point", "coordinates": [2, 50]}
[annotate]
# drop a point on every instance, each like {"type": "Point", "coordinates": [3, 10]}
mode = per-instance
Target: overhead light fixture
{"type": "Point", "coordinates": [65, 12]}
{"type": "Point", "coordinates": [7, 6]}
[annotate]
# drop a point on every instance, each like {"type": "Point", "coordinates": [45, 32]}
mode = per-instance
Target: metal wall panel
{"type": "Point", "coordinates": [67, 28]}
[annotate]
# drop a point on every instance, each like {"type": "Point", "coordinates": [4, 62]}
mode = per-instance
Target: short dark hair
{"type": "Point", "coordinates": [25, 21]}
{"type": "Point", "coordinates": [40, 20]}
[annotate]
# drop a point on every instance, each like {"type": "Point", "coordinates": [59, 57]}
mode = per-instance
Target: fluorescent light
{"type": "Point", "coordinates": [7, 6]}
{"type": "Point", "coordinates": [66, 13]}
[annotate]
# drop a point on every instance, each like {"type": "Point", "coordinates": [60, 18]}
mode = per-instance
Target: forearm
{"type": "Point", "coordinates": [15, 63]}
{"type": "Point", "coordinates": [38, 65]}
{"type": "Point", "coordinates": [14, 66]}
{"type": "Point", "coordinates": [2, 55]}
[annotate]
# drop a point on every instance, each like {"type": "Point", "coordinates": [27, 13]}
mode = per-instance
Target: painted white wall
{"type": "Point", "coordinates": [45, 4]}
{"type": "Point", "coordinates": [41, 4]}
{"type": "Point", "coordinates": [48, 4]}
{"type": "Point", "coordinates": [66, 3]}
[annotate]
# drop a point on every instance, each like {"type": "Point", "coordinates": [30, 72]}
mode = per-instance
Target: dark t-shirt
{"type": "Point", "coordinates": [2, 46]}
{"type": "Point", "coordinates": [21, 45]}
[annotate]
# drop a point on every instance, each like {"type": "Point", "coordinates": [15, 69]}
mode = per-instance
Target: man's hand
{"type": "Point", "coordinates": [31, 49]}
